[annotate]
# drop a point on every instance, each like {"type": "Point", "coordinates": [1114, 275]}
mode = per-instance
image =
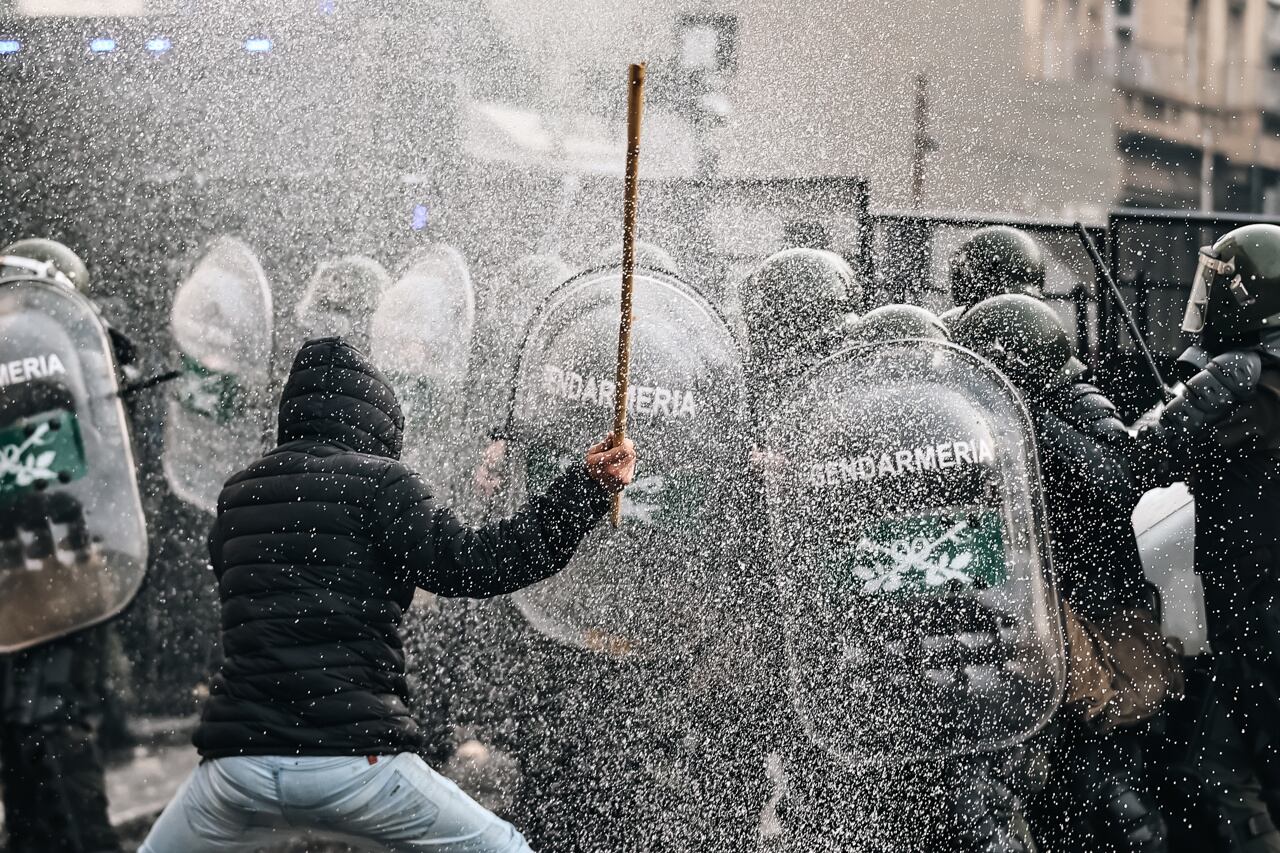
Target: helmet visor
{"type": "Point", "coordinates": [1193, 322]}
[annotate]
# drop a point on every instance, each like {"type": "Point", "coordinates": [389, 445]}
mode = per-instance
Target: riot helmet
{"type": "Point", "coordinates": [50, 259]}
{"type": "Point", "coordinates": [996, 260]}
{"type": "Point", "coordinates": [1023, 337]}
{"type": "Point", "coordinates": [895, 322]}
{"type": "Point", "coordinates": [533, 275]}
{"type": "Point", "coordinates": [793, 304]}
{"type": "Point", "coordinates": [647, 255]}
{"type": "Point", "coordinates": [1235, 295]}
{"type": "Point", "coordinates": [341, 296]}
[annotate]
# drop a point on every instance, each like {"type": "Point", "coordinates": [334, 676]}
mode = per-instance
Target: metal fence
{"type": "Point", "coordinates": [910, 254]}
{"type": "Point", "coordinates": [1152, 254]}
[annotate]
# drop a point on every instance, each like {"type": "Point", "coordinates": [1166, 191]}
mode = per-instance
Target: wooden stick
{"type": "Point", "coordinates": [630, 206]}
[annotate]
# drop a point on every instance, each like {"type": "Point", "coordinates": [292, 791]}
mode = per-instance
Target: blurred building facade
{"type": "Point", "coordinates": [1055, 108]}
{"type": "Point", "coordinates": [834, 89]}
{"type": "Point", "coordinates": [1197, 86]}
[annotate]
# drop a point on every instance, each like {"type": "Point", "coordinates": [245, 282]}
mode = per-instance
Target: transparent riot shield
{"type": "Point", "coordinates": [909, 538]}
{"type": "Point", "coordinates": [507, 305]}
{"type": "Point", "coordinates": [421, 339]}
{"type": "Point", "coordinates": [220, 409]}
{"type": "Point", "coordinates": [73, 544]}
{"type": "Point", "coordinates": [340, 299]}
{"type": "Point", "coordinates": [643, 588]}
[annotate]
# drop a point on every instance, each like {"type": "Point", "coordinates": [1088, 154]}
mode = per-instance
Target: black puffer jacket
{"type": "Point", "coordinates": [318, 547]}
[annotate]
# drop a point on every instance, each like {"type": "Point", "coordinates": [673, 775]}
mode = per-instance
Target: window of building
{"type": "Point", "coordinates": [1194, 43]}
{"type": "Point", "coordinates": [1049, 44]}
{"type": "Point", "coordinates": [1125, 65]}
{"type": "Point", "coordinates": [1234, 68]}
{"type": "Point", "coordinates": [707, 42]}
{"type": "Point", "coordinates": [1124, 8]}
{"type": "Point", "coordinates": [1271, 197]}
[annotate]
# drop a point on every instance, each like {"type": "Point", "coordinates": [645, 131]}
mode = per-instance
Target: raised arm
{"type": "Point", "coordinates": [441, 555]}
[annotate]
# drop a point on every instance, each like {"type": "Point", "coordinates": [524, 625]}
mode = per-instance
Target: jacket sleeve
{"type": "Point", "coordinates": [1167, 445]}
{"type": "Point", "coordinates": [440, 555]}
{"type": "Point", "coordinates": [1085, 444]}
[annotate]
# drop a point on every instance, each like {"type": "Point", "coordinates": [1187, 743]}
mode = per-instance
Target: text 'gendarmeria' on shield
{"type": "Point", "coordinates": [641, 399]}
{"type": "Point", "coordinates": [930, 457]}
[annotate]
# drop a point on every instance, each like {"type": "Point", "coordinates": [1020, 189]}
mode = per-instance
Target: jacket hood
{"type": "Point", "coordinates": [334, 394]}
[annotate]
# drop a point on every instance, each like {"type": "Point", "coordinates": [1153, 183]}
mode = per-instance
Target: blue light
{"type": "Point", "coordinates": [419, 221]}
{"type": "Point", "coordinates": [328, 7]}
{"type": "Point", "coordinates": [102, 45]}
{"type": "Point", "coordinates": [258, 45]}
{"type": "Point", "coordinates": [8, 46]}
{"type": "Point", "coordinates": [160, 44]}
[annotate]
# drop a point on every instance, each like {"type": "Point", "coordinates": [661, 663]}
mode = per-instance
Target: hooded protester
{"type": "Point", "coordinates": [318, 548]}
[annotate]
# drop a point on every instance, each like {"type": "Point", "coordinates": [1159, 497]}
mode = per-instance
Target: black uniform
{"type": "Point", "coordinates": [1236, 483]}
{"type": "Point", "coordinates": [50, 699]}
{"type": "Point", "coordinates": [1090, 495]}
{"type": "Point", "coordinates": [1221, 435]}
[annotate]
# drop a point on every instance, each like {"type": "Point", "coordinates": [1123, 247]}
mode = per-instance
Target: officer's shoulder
{"type": "Point", "coordinates": [1089, 406]}
{"type": "Point", "coordinates": [1089, 398]}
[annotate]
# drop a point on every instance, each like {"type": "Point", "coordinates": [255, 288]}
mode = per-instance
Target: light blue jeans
{"type": "Point", "coordinates": [399, 803]}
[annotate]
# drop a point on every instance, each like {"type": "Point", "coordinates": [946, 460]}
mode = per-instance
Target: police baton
{"type": "Point", "coordinates": [630, 204]}
{"type": "Point", "coordinates": [1139, 341]}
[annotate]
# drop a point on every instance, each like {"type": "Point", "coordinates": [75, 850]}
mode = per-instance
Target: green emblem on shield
{"type": "Point", "coordinates": [927, 553]}
{"type": "Point", "coordinates": [670, 499]}
{"type": "Point", "coordinates": [38, 450]}
{"type": "Point", "coordinates": [206, 392]}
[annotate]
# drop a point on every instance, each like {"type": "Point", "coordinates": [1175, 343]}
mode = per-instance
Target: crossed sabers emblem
{"type": "Point", "coordinates": [26, 472]}
{"type": "Point", "coordinates": [909, 555]}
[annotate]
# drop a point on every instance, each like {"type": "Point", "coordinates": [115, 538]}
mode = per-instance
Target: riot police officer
{"type": "Point", "coordinates": [1120, 670]}
{"type": "Point", "coordinates": [51, 693]}
{"type": "Point", "coordinates": [793, 306]}
{"type": "Point", "coordinates": [994, 260]}
{"type": "Point", "coordinates": [1221, 435]}
{"type": "Point", "coordinates": [797, 307]}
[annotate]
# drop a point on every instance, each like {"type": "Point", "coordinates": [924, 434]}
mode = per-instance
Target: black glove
{"type": "Point", "coordinates": [988, 813]}
{"type": "Point", "coordinates": [1209, 399]}
{"type": "Point", "coordinates": [1212, 395]}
